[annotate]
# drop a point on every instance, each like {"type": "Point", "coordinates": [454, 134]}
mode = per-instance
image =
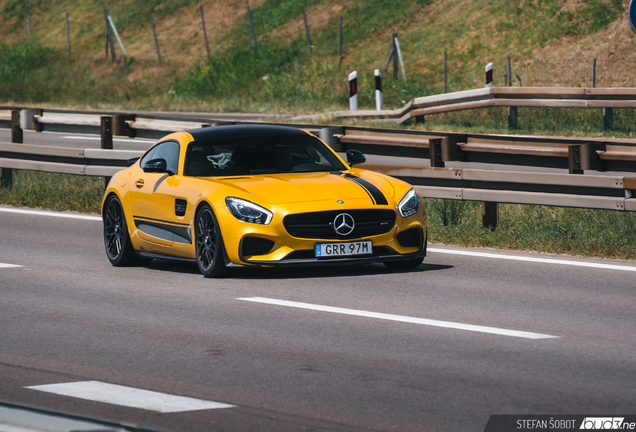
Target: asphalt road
{"type": "Point", "coordinates": [68, 316]}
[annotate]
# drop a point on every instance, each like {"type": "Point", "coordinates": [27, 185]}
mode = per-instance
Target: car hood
{"type": "Point", "coordinates": [307, 187]}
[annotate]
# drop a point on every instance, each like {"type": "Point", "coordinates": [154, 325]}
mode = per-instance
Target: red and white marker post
{"type": "Point", "coordinates": [353, 91]}
{"type": "Point", "coordinates": [378, 90]}
{"type": "Point", "coordinates": [489, 75]}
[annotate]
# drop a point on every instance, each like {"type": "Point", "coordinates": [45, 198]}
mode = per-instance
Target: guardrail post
{"type": "Point", "coordinates": [574, 159]}
{"type": "Point", "coordinates": [512, 117]}
{"type": "Point", "coordinates": [590, 159]}
{"type": "Point", "coordinates": [435, 153]}
{"type": "Point", "coordinates": [107, 138]}
{"type": "Point", "coordinates": [451, 151]}
{"type": "Point", "coordinates": [608, 118]}
{"type": "Point", "coordinates": [329, 138]}
{"type": "Point", "coordinates": [490, 215]}
{"type": "Point", "coordinates": [121, 126]}
{"type": "Point", "coordinates": [17, 136]}
{"type": "Point", "coordinates": [29, 121]}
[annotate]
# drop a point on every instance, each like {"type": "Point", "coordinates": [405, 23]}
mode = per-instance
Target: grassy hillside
{"type": "Point", "coordinates": [551, 42]}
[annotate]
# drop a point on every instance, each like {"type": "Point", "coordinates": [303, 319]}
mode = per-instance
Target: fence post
{"type": "Point", "coordinates": [17, 137]}
{"type": "Point", "coordinates": [594, 73]}
{"type": "Point", "coordinates": [68, 36]}
{"type": "Point", "coordinates": [445, 74]}
{"type": "Point", "coordinates": [154, 34]}
{"type": "Point", "coordinates": [121, 44]}
{"type": "Point", "coordinates": [379, 100]}
{"type": "Point", "coordinates": [339, 42]}
{"type": "Point", "coordinates": [205, 34]}
{"type": "Point", "coordinates": [395, 58]}
{"type": "Point", "coordinates": [512, 111]}
{"type": "Point", "coordinates": [490, 215]}
{"type": "Point", "coordinates": [29, 23]}
{"type": "Point", "coordinates": [353, 91]}
{"type": "Point", "coordinates": [396, 45]}
{"type": "Point", "coordinates": [311, 50]}
{"type": "Point", "coordinates": [249, 16]}
{"type": "Point", "coordinates": [109, 37]}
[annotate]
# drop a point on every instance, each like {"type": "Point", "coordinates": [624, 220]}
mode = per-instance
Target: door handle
{"type": "Point", "coordinates": [139, 183]}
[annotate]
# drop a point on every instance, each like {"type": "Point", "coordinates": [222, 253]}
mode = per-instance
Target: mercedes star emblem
{"type": "Point", "coordinates": [343, 224]}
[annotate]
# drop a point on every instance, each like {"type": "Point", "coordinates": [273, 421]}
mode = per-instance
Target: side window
{"type": "Point", "coordinates": [169, 151]}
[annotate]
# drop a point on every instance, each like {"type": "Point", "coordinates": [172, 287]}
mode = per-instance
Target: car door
{"type": "Point", "coordinates": [152, 198]}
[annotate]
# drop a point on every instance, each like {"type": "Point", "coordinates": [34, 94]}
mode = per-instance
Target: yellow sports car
{"type": "Point", "coordinates": [256, 195]}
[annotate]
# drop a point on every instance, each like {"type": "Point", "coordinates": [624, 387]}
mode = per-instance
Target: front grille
{"type": "Point", "coordinates": [319, 225]}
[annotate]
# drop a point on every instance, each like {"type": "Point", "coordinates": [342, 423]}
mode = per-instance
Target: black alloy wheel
{"type": "Point", "coordinates": [119, 249]}
{"type": "Point", "coordinates": [209, 244]}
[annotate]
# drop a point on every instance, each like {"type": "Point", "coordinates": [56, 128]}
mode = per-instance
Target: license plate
{"type": "Point", "coordinates": [343, 249]}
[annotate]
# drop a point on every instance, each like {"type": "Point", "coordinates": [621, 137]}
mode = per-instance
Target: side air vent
{"type": "Point", "coordinates": [180, 206]}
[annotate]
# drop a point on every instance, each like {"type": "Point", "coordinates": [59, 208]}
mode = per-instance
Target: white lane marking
{"type": "Point", "coordinates": [140, 141]}
{"type": "Point", "coordinates": [400, 318]}
{"type": "Point", "coordinates": [532, 259]}
{"type": "Point", "coordinates": [3, 265]}
{"type": "Point", "coordinates": [129, 396]}
{"type": "Point", "coordinates": [50, 213]}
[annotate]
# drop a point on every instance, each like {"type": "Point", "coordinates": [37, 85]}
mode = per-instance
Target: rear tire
{"type": "Point", "coordinates": [209, 244]}
{"type": "Point", "coordinates": [119, 249]}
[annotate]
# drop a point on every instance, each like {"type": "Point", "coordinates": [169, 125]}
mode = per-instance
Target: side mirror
{"type": "Point", "coordinates": [355, 157]}
{"type": "Point", "coordinates": [155, 166]}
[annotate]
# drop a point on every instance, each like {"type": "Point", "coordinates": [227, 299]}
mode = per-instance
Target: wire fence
{"type": "Point", "coordinates": [612, 73]}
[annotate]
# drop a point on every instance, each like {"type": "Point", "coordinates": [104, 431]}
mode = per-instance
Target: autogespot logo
{"type": "Point", "coordinates": [343, 224]}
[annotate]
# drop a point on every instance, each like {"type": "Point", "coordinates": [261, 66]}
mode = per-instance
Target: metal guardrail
{"type": "Point", "coordinates": [552, 97]}
{"type": "Point", "coordinates": [493, 186]}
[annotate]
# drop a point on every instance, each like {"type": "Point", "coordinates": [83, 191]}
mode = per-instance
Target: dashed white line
{"type": "Point", "coordinates": [400, 318]}
{"type": "Point", "coordinates": [96, 138]}
{"type": "Point", "coordinates": [129, 396]}
{"type": "Point", "coordinates": [50, 213]}
{"type": "Point", "coordinates": [3, 265]}
{"type": "Point", "coordinates": [533, 259]}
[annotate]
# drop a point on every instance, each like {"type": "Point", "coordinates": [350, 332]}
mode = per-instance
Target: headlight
{"type": "Point", "coordinates": [248, 211]}
{"type": "Point", "coordinates": [410, 204]}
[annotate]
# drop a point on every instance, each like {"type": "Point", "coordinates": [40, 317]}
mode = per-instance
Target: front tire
{"type": "Point", "coordinates": [209, 244]}
{"type": "Point", "coordinates": [119, 249]}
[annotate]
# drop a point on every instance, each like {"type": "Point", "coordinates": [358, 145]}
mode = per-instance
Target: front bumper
{"type": "Point", "coordinates": [340, 260]}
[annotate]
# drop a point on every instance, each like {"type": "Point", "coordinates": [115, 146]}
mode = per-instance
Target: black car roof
{"type": "Point", "coordinates": [234, 131]}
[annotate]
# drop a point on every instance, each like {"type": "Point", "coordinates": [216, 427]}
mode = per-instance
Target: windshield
{"type": "Point", "coordinates": [259, 155]}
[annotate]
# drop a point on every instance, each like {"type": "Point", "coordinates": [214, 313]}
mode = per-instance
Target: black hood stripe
{"type": "Point", "coordinates": [374, 193]}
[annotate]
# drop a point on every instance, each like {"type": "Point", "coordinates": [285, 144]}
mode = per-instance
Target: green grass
{"type": "Point", "coordinates": [597, 233]}
{"type": "Point", "coordinates": [60, 192]}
